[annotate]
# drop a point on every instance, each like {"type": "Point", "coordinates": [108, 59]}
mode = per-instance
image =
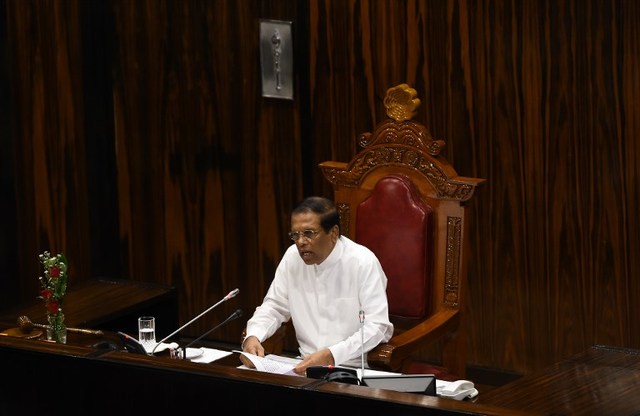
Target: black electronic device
{"type": "Point", "coordinates": [105, 345]}
{"type": "Point", "coordinates": [331, 373]}
{"type": "Point", "coordinates": [131, 344]}
{"type": "Point", "coordinates": [409, 383]}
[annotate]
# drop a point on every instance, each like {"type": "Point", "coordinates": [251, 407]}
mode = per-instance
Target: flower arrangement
{"type": "Point", "coordinates": [54, 287]}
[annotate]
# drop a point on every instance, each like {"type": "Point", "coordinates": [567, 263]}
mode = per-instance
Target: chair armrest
{"type": "Point", "coordinates": [390, 356]}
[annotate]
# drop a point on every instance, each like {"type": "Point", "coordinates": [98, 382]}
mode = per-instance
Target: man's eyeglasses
{"type": "Point", "coordinates": [308, 234]}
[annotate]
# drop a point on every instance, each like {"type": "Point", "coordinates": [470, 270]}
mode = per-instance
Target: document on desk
{"type": "Point", "coordinates": [272, 363]}
{"type": "Point", "coordinates": [208, 355]}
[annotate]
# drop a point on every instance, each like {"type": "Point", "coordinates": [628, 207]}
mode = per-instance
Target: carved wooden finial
{"type": "Point", "coordinates": [401, 102]}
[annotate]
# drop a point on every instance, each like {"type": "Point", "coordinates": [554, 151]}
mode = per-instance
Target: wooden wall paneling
{"type": "Point", "coordinates": [221, 193]}
{"type": "Point", "coordinates": [162, 92]}
{"type": "Point", "coordinates": [339, 101]}
{"type": "Point", "coordinates": [139, 87]}
{"type": "Point", "coordinates": [599, 221]}
{"type": "Point", "coordinates": [98, 45]}
{"type": "Point", "coordinates": [553, 239]}
{"type": "Point", "coordinates": [9, 258]}
{"type": "Point", "coordinates": [628, 148]}
{"type": "Point", "coordinates": [50, 176]}
{"type": "Point", "coordinates": [492, 39]}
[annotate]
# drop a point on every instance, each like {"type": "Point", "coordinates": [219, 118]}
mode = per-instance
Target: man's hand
{"type": "Point", "coordinates": [322, 357]}
{"type": "Point", "coordinates": [252, 346]}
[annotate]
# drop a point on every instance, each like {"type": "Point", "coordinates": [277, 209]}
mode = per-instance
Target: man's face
{"type": "Point", "coordinates": [316, 249]}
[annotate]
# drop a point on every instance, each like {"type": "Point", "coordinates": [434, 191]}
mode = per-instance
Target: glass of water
{"type": "Point", "coordinates": [147, 332]}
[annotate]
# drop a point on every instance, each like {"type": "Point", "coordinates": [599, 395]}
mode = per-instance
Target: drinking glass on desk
{"type": "Point", "coordinates": [147, 332]}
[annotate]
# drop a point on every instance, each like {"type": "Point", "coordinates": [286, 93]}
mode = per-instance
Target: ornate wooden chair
{"type": "Point", "coordinates": [402, 199]}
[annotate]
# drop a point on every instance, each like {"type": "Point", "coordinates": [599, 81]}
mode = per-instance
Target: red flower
{"type": "Point", "coordinates": [46, 294]}
{"type": "Point", "coordinates": [52, 307]}
{"type": "Point", "coordinates": [54, 272]}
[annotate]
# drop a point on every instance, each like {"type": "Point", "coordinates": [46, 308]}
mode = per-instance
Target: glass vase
{"type": "Point", "coordinates": [57, 330]}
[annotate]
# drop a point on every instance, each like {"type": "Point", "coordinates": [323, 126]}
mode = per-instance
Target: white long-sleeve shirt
{"type": "Point", "coordinates": [324, 302]}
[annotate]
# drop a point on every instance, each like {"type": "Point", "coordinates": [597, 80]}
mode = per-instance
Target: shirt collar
{"type": "Point", "coordinates": [333, 257]}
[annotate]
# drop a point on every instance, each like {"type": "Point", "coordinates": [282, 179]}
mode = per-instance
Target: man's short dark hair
{"type": "Point", "coordinates": [323, 207]}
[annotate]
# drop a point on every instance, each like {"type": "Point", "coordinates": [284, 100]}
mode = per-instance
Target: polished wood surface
{"type": "Point", "coordinates": [108, 304]}
{"type": "Point", "coordinates": [600, 381]}
{"type": "Point", "coordinates": [84, 380]}
{"type": "Point", "coordinates": [135, 139]}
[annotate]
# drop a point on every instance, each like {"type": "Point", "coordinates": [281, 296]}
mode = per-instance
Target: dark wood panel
{"type": "Point", "coordinates": [208, 165]}
{"type": "Point", "coordinates": [601, 380]}
{"type": "Point", "coordinates": [47, 126]}
{"type": "Point", "coordinates": [9, 286]}
{"type": "Point", "coordinates": [553, 243]}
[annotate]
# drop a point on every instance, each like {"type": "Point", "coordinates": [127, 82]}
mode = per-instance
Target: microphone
{"type": "Point", "coordinates": [342, 374]}
{"type": "Point", "coordinates": [237, 314]}
{"type": "Point", "coordinates": [230, 295]}
{"type": "Point", "coordinates": [361, 316]}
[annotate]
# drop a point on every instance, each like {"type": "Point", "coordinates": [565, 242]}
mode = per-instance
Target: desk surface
{"type": "Point", "coordinates": [107, 304]}
{"type": "Point", "coordinates": [600, 381]}
{"type": "Point", "coordinates": [113, 382]}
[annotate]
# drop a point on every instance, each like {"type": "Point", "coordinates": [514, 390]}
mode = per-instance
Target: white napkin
{"type": "Point", "coordinates": [457, 390]}
{"type": "Point", "coordinates": [160, 347]}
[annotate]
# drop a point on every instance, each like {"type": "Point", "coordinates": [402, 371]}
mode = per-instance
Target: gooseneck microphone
{"type": "Point", "coordinates": [342, 374]}
{"type": "Point", "coordinates": [237, 314]}
{"type": "Point", "coordinates": [361, 316]}
{"type": "Point", "coordinates": [230, 295]}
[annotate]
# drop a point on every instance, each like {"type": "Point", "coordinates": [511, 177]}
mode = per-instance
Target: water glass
{"type": "Point", "coordinates": [147, 332]}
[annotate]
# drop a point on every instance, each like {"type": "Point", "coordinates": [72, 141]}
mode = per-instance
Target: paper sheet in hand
{"type": "Point", "coordinates": [272, 363]}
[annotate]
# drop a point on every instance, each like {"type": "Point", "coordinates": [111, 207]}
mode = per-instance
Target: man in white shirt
{"type": "Point", "coordinates": [322, 283]}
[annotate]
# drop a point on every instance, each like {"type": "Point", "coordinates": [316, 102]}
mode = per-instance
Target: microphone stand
{"type": "Point", "coordinates": [235, 315]}
{"type": "Point", "coordinates": [229, 296]}
{"type": "Point", "coordinates": [361, 316]}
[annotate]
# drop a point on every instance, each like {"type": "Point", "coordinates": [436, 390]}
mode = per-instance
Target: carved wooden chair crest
{"type": "Point", "coordinates": [402, 199]}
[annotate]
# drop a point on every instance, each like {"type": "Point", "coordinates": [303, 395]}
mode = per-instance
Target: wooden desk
{"type": "Point", "coordinates": [600, 381]}
{"type": "Point", "coordinates": [109, 305]}
{"type": "Point", "coordinates": [45, 378]}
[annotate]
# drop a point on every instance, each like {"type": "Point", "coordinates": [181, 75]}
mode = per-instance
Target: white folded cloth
{"type": "Point", "coordinates": [457, 390]}
{"type": "Point", "coordinates": [160, 347]}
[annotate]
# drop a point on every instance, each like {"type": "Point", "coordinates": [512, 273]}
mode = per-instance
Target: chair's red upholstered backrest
{"type": "Point", "coordinates": [397, 226]}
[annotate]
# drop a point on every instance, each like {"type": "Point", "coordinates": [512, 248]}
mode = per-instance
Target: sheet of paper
{"type": "Point", "coordinates": [372, 373]}
{"type": "Point", "coordinates": [272, 363]}
{"type": "Point", "coordinates": [209, 355]}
